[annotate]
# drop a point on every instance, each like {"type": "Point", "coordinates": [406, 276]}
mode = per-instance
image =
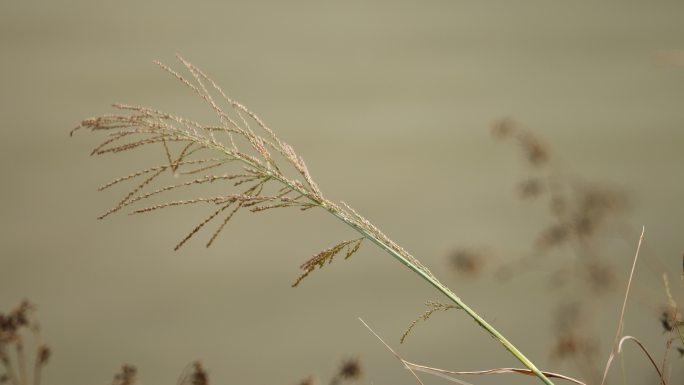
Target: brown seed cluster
{"type": "Point", "coordinates": [350, 370]}
{"type": "Point", "coordinates": [12, 322]}
{"type": "Point", "coordinates": [668, 320]}
{"type": "Point", "coordinates": [326, 256]}
{"type": "Point", "coordinates": [15, 359]}
{"type": "Point", "coordinates": [127, 375]}
{"type": "Point", "coordinates": [196, 375]}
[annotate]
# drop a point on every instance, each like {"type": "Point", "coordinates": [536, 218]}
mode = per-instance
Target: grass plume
{"type": "Point", "coordinates": [266, 172]}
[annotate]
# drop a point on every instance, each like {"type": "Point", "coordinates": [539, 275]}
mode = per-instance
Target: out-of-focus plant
{"type": "Point", "coordinates": [21, 366]}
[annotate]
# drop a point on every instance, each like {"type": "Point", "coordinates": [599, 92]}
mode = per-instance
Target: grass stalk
{"type": "Point", "coordinates": [431, 279]}
{"type": "Point", "coordinates": [153, 127]}
{"type": "Point", "coordinates": [449, 294]}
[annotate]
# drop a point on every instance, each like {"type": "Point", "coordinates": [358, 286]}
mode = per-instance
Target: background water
{"type": "Point", "coordinates": [390, 103]}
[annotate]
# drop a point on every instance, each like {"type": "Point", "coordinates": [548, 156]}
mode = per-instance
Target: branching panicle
{"type": "Point", "coordinates": [192, 148]}
{"type": "Point", "coordinates": [326, 256]}
{"type": "Point", "coordinates": [147, 126]}
{"type": "Point", "coordinates": [240, 137]}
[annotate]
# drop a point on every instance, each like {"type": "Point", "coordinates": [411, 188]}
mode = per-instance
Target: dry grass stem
{"type": "Point", "coordinates": [618, 333]}
{"type": "Point", "coordinates": [445, 373]}
{"type": "Point", "coordinates": [646, 352]}
{"type": "Point", "coordinates": [392, 351]}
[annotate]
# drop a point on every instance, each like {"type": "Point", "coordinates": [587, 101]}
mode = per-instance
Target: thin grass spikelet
{"type": "Point", "coordinates": [326, 256]}
{"type": "Point", "coordinates": [433, 306]}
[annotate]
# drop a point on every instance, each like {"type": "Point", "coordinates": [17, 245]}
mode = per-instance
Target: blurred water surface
{"type": "Point", "coordinates": [390, 103]}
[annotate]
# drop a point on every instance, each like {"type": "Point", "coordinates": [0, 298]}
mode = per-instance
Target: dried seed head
{"type": "Point", "coordinates": [11, 323]}
{"type": "Point", "coordinates": [126, 376]}
{"type": "Point", "coordinates": [199, 375]}
{"type": "Point", "coordinates": [670, 319]}
{"type": "Point", "coordinates": [43, 356]}
{"type": "Point", "coordinates": [350, 369]}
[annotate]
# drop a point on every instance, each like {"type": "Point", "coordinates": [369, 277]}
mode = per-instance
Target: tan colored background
{"type": "Point", "coordinates": [390, 103]}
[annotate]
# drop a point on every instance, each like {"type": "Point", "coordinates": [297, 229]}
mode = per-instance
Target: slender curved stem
{"type": "Point", "coordinates": [268, 170]}
{"type": "Point", "coordinates": [405, 261]}
{"type": "Point", "coordinates": [446, 291]}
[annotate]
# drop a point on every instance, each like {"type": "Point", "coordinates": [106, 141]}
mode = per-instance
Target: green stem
{"type": "Point", "coordinates": [446, 291]}
{"type": "Point", "coordinates": [394, 253]}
